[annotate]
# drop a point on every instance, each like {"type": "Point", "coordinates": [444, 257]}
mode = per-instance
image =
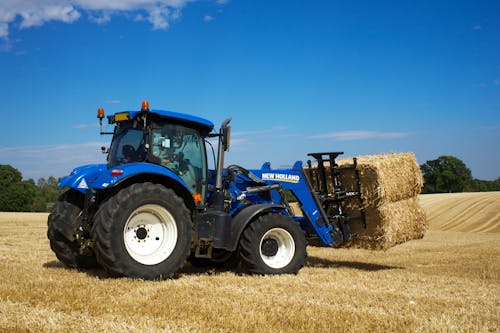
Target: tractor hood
{"type": "Point", "coordinates": [83, 177]}
{"type": "Point", "coordinates": [98, 176]}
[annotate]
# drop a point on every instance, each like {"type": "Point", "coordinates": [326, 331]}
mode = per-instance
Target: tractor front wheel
{"type": "Point", "coordinates": [144, 231]}
{"type": "Point", "coordinates": [63, 224]}
{"type": "Point", "coordinates": [273, 244]}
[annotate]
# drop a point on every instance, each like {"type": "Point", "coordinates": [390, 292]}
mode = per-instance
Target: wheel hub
{"type": "Point", "coordinates": [141, 233]}
{"type": "Point", "coordinates": [277, 248]}
{"type": "Point", "coordinates": [269, 247]}
{"type": "Point", "coordinates": [150, 234]}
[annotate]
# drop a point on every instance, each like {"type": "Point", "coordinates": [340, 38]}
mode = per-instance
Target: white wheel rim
{"type": "Point", "coordinates": [285, 251]}
{"type": "Point", "coordinates": [150, 234]}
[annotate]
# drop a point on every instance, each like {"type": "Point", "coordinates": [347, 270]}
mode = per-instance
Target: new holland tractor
{"type": "Point", "coordinates": [155, 204]}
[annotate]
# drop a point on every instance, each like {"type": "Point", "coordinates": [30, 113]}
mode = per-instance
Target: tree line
{"type": "Point", "coordinates": [445, 174]}
{"type": "Point", "coordinates": [448, 174]}
{"type": "Point", "coordinates": [18, 195]}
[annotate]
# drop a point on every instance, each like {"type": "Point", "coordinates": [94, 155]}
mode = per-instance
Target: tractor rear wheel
{"type": "Point", "coordinates": [63, 224]}
{"type": "Point", "coordinates": [144, 231]}
{"type": "Point", "coordinates": [273, 244]}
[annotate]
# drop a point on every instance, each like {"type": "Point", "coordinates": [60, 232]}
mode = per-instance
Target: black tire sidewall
{"type": "Point", "coordinates": [66, 215]}
{"type": "Point", "coordinates": [271, 221]}
{"type": "Point", "coordinates": [127, 201]}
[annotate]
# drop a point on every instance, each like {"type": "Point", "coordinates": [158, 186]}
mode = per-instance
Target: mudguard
{"type": "Point", "coordinates": [98, 176]}
{"type": "Point", "coordinates": [245, 216]}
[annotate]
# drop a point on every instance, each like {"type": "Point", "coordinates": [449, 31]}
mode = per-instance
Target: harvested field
{"type": "Point", "coordinates": [448, 281]}
{"type": "Point", "coordinates": [469, 212]}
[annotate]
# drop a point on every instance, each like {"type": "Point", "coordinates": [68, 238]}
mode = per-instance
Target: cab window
{"type": "Point", "coordinates": [181, 150]}
{"type": "Point", "coordinates": [127, 146]}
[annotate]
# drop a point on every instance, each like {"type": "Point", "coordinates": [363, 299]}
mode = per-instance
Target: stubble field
{"type": "Point", "coordinates": [448, 281]}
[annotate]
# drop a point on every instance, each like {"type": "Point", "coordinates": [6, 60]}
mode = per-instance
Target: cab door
{"type": "Point", "coordinates": [182, 150]}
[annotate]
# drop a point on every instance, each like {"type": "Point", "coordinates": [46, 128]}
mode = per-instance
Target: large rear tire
{"type": "Point", "coordinates": [144, 231]}
{"type": "Point", "coordinates": [63, 224]}
{"type": "Point", "coordinates": [273, 244]}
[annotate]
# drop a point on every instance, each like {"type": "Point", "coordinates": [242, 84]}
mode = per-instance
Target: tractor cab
{"type": "Point", "coordinates": [171, 140]}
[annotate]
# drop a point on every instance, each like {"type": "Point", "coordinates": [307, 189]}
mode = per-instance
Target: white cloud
{"type": "Point", "coordinates": [360, 135]}
{"type": "Point", "coordinates": [100, 18]}
{"type": "Point", "coordinates": [51, 160]}
{"type": "Point", "coordinates": [208, 18]}
{"type": "Point", "coordinates": [158, 16]}
{"type": "Point", "coordinates": [38, 12]}
{"type": "Point", "coordinates": [38, 15]}
{"type": "Point", "coordinates": [4, 30]}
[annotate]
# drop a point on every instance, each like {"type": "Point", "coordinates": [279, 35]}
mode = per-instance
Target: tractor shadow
{"type": "Point", "coordinates": [100, 273]}
{"type": "Point", "coordinates": [316, 262]}
{"type": "Point", "coordinates": [188, 269]}
{"type": "Point", "coordinates": [93, 272]}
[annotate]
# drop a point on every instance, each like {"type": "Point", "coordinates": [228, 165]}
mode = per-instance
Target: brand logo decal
{"type": "Point", "coordinates": [281, 177]}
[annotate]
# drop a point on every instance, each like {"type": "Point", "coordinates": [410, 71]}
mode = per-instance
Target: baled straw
{"type": "Point", "coordinates": [384, 178]}
{"type": "Point", "coordinates": [390, 224]}
{"type": "Point", "coordinates": [390, 184]}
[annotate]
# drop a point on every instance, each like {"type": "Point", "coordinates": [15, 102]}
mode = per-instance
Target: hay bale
{"type": "Point", "coordinates": [384, 178]}
{"type": "Point", "coordinates": [390, 184]}
{"type": "Point", "coordinates": [390, 224]}
{"type": "Point", "coordinates": [296, 210]}
{"type": "Point", "coordinates": [388, 177]}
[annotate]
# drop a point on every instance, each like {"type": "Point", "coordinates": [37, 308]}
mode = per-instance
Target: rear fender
{"type": "Point", "coordinates": [111, 178]}
{"type": "Point", "coordinates": [99, 177]}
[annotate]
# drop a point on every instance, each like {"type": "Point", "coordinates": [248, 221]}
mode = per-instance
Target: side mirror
{"type": "Point", "coordinates": [226, 137]}
{"type": "Point", "coordinates": [225, 134]}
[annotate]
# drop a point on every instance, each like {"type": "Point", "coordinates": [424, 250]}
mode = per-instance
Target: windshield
{"type": "Point", "coordinates": [128, 146]}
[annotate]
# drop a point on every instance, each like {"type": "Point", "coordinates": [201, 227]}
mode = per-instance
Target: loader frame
{"type": "Point", "coordinates": [324, 210]}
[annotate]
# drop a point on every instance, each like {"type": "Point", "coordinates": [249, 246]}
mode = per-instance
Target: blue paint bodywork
{"type": "Point", "coordinates": [89, 173]}
{"type": "Point", "coordinates": [295, 181]}
{"type": "Point", "coordinates": [98, 176]}
{"type": "Point", "coordinates": [207, 125]}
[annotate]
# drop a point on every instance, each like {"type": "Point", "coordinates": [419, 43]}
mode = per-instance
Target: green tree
{"type": "Point", "coordinates": [478, 185]}
{"type": "Point", "coordinates": [445, 174]}
{"type": "Point", "coordinates": [16, 195]}
{"type": "Point", "coordinates": [48, 192]}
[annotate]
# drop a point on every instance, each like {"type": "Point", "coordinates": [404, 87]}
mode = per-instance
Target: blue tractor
{"type": "Point", "coordinates": [156, 204]}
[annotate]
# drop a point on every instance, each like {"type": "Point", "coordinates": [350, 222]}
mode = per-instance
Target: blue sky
{"type": "Point", "coordinates": [296, 76]}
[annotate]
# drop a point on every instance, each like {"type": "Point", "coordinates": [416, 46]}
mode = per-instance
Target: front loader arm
{"type": "Point", "coordinates": [315, 221]}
